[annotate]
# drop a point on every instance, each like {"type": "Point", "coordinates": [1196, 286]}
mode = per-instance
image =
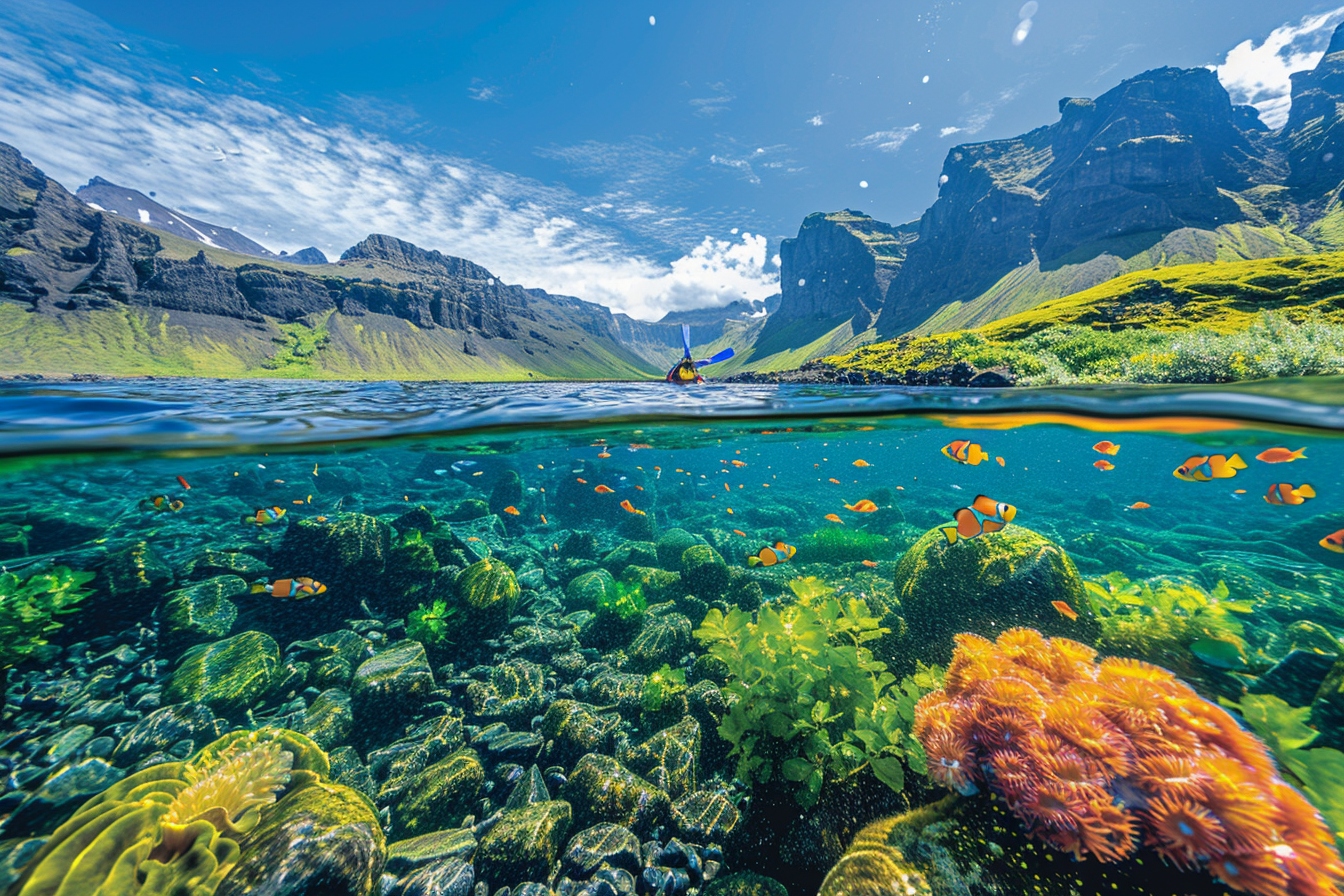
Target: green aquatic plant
{"type": "Point", "coordinates": [429, 624]}
{"type": "Point", "coordinates": [840, 544]}
{"type": "Point", "coordinates": [623, 602]}
{"type": "Point", "coordinates": [811, 702]}
{"type": "Point", "coordinates": [1319, 771]}
{"type": "Point", "coordinates": [661, 685]}
{"type": "Point", "coordinates": [29, 607]}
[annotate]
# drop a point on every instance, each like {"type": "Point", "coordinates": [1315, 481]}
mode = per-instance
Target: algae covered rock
{"type": "Point", "coordinates": [574, 728]}
{"type": "Point", "coordinates": [434, 847]}
{"type": "Point", "coordinates": [602, 844]}
{"type": "Point", "coordinates": [130, 582]}
{"type": "Point", "coordinates": [487, 596]}
{"type": "Point", "coordinates": [392, 684]}
{"type": "Point", "coordinates": [986, 585]}
{"type": "Point", "coordinates": [749, 883]}
{"type": "Point", "coordinates": [441, 795]}
{"type": "Point", "coordinates": [329, 718]}
{"type": "Point", "coordinates": [663, 640]}
{"type": "Point", "coordinates": [516, 690]}
{"type": "Point", "coordinates": [228, 676]}
{"type": "Point", "coordinates": [200, 612]}
{"type": "Point", "coordinates": [347, 551]}
{"type": "Point", "coordinates": [164, 727]}
{"type": "Point", "coordinates": [669, 758]}
{"type": "Point", "coordinates": [671, 545]}
{"type": "Point", "coordinates": [524, 844]}
{"type": "Point", "coordinates": [601, 789]}
{"type": "Point", "coordinates": [590, 590]}
{"type": "Point", "coordinates": [704, 572]}
{"type": "Point", "coordinates": [630, 553]}
{"type": "Point", "coordinates": [705, 815]}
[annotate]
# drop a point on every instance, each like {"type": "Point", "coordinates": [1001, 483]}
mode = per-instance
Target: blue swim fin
{"type": "Point", "coordinates": [721, 356]}
{"type": "Point", "coordinates": [686, 339]}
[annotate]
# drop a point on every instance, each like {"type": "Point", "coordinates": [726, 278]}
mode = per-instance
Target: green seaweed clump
{"type": "Point", "coordinates": [1318, 772]}
{"type": "Point", "coordinates": [660, 686]}
{"type": "Point", "coordinates": [812, 703]}
{"type": "Point", "coordinates": [28, 609]}
{"type": "Point", "coordinates": [837, 544]}
{"type": "Point", "coordinates": [429, 624]}
{"type": "Point", "coordinates": [625, 602]}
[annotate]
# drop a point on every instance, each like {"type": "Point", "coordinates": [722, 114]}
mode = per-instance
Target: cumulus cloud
{"type": "Point", "coordinates": [816, 121]}
{"type": "Point", "coordinates": [79, 102]}
{"type": "Point", "coordinates": [1258, 76]}
{"type": "Point", "coordinates": [888, 141]}
{"type": "Point", "coordinates": [948, 132]}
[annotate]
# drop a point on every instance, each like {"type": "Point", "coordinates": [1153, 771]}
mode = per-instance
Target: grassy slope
{"type": "Point", "coordinates": [1216, 298]}
{"type": "Point", "coordinates": [742, 338]}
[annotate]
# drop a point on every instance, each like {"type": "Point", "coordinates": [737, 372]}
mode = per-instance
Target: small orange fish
{"type": "Point", "coordinates": [636, 446]}
{"type": "Point", "coordinates": [265, 515]}
{"type": "Point", "coordinates": [1106, 447]}
{"type": "Point", "coordinates": [163, 502]}
{"type": "Point", "coordinates": [738, 463]}
{"type": "Point", "coordinates": [862, 463]}
{"type": "Point", "coordinates": [1281, 455]}
{"type": "Point", "coordinates": [835, 481]}
{"type": "Point", "coordinates": [321, 519]}
{"type": "Point", "coordinates": [604, 454]}
{"type": "Point", "coordinates": [871, 564]}
{"type": "Point", "coordinates": [1139, 505]}
{"type": "Point", "coordinates": [581, 481]}
{"type": "Point", "coordinates": [472, 538]}
{"type": "Point", "coordinates": [314, 469]}
{"type": "Point", "coordinates": [834, 517]}
{"type": "Point", "coordinates": [999, 461]}
{"type": "Point", "coordinates": [1238, 491]}
{"type": "Point", "coordinates": [739, 532]}
{"type": "Point", "coordinates": [297, 501]}
{"type": "Point", "coordinates": [1284, 493]}
{"type": "Point", "coordinates": [769, 556]}
{"type": "Point", "coordinates": [730, 511]}
{"type": "Point", "coordinates": [294, 589]}
{"type": "Point", "coordinates": [184, 483]}
{"type": "Point", "coordinates": [727, 487]}
{"type": "Point", "coordinates": [1104, 465]}
{"type": "Point", "coordinates": [630, 508]}
{"type": "Point", "coordinates": [984, 515]}
{"type": "Point", "coordinates": [513, 511]}
{"type": "Point", "coordinates": [864, 506]}
{"type": "Point", "coordinates": [1064, 609]}
{"type": "Point", "coordinates": [964, 451]}
{"type": "Point", "coordinates": [604, 489]}
{"type": "Point", "coordinates": [639, 488]}
{"type": "Point", "coordinates": [543, 520]}
{"type": "Point", "coordinates": [1333, 542]}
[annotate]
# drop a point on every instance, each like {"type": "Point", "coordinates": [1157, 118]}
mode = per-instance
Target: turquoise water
{"type": "Point", "coordinates": [490, 607]}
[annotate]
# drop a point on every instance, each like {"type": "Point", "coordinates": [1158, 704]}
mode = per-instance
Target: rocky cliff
{"type": "Point", "coordinates": [385, 308]}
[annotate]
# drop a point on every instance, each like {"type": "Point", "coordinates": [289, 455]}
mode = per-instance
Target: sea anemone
{"type": "Point", "coordinates": [1183, 831]}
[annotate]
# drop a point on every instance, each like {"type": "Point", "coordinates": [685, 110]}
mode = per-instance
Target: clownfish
{"type": "Point", "coordinates": [162, 504]}
{"type": "Point", "coordinates": [1284, 493]}
{"type": "Point", "coordinates": [265, 516]}
{"type": "Point", "coordinates": [964, 451]}
{"type": "Point", "coordinates": [1202, 468]}
{"type": "Point", "coordinates": [1333, 542]}
{"type": "Point", "coordinates": [292, 589]}
{"type": "Point", "coordinates": [780, 553]}
{"type": "Point", "coordinates": [984, 515]}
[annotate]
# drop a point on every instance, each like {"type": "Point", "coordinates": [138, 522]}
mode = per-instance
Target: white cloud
{"type": "Point", "coordinates": [1021, 31]}
{"type": "Point", "coordinates": [742, 165]}
{"type": "Point", "coordinates": [1258, 76]}
{"type": "Point", "coordinates": [483, 92]}
{"type": "Point", "coordinates": [289, 181]}
{"type": "Point", "coordinates": [709, 106]}
{"type": "Point", "coordinates": [888, 141]}
{"type": "Point", "coordinates": [948, 132]}
{"type": "Point", "coordinates": [816, 121]}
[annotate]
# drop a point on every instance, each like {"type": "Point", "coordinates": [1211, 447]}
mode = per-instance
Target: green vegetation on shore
{"type": "Point", "coordinates": [1216, 322]}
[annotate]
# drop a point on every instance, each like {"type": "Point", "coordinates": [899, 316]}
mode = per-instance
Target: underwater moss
{"type": "Point", "coordinates": [659, 686]}
{"type": "Point", "coordinates": [429, 624]}
{"type": "Point", "coordinates": [839, 544]}
{"type": "Point", "coordinates": [29, 607]}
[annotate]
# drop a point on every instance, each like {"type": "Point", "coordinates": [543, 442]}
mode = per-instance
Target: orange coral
{"type": "Point", "coordinates": [1098, 757]}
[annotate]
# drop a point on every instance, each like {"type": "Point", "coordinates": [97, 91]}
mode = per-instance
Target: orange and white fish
{"type": "Point", "coordinates": [265, 516]}
{"type": "Point", "coordinates": [871, 564]}
{"type": "Point", "coordinates": [984, 515]}
{"type": "Point", "coordinates": [293, 589]}
{"type": "Point", "coordinates": [162, 504]}
{"type": "Point", "coordinates": [580, 481]}
{"type": "Point", "coordinates": [862, 463]}
{"type": "Point", "coordinates": [604, 490]}
{"type": "Point", "coordinates": [1106, 447]}
{"type": "Point", "coordinates": [1333, 542]}
{"type": "Point", "coordinates": [964, 451]}
{"type": "Point", "coordinates": [182, 481]}
{"type": "Point", "coordinates": [1205, 467]}
{"type": "Point", "coordinates": [1103, 465]}
{"type": "Point", "coordinates": [769, 556]}
{"type": "Point", "coordinates": [513, 511]}
{"type": "Point", "coordinates": [1139, 505]}
{"type": "Point", "coordinates": [863, 506]}
{"type": "Point", "coordinates": [1281, 455]}
{"type": "Point", "coordinates": [834, 517]}
{"type": "Point", "coordinates": [630, 508]}
{"type": "Point", "coordinates": [739, 532]}
{"type": "Point", "coordinates": [1284, 493]}
{"type": "Point", "coordinates": [604, 454]}
{"type": "Point", "coordinates": [999, 461]}
{"type": "Point", "coordinates": [1065, 610]}
{"type": "Point", "coordinates": [738, 463]}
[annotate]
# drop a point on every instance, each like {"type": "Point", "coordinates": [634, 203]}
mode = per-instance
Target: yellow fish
{"type": "Point", "coordinates": [1203, 468]}
{"type": "Point", "coordinates": [1284, 493]}
{"type": "Point", "coordinates": [964, 451]}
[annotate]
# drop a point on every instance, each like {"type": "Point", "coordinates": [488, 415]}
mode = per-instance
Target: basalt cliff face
{"type": "Point", "coordinates": [86, 290]}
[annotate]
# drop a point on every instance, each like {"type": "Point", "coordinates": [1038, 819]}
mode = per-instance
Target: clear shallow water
{"type": "Point", "coordinates": [1208, 580]}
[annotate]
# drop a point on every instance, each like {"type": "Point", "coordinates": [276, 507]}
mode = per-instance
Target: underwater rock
{"type": "Point", "coordinates": [1296, 678]}
{"type": "Point", "coordinates": [874, 865]}
{"type": "Point", "coordinates": [575, 728]}
{"type": "Point", "coordinates": [656, 584]}
{"type": "Point", "coordinates": [748, 883]}
{"type": "Point", "coordinates": [524, 844]}
{"type": "Point", "coordinates": [48, 806]}
{"type": "Point", "coordinates": [437, 846]}
{"type": "Point", "coordinates": [210, 562]}
{"type": "Point", "coordinates": [348, 770]}
{"type": "Point", "coordinates": [516, 691]}
{"type": "Point", "coordinates": [601, 789]}
{"type": "Point", "coordinates": [507, 491]}
{"type": "Point", "coordinates": [164, 727]}
{"type": "Point", "coordinates": [14, 855]}
{"type": "Point", "coordinates": [704, 572]}
{"type": "Point", "coordinates": [591, 589]}
{"type": "Point", "coordinates": [624, 690]}
{"type": "Point", "coordinates": [200, 612]}
{"type": "Point", "coordinates": [130, 583]}
{"type": "Point", "coordinates": [602, 844]}
{"type": "Point", "coordinates": [671, 545]}
{"type": "Point", "coordinates": [329, 718]}
{"type": "Point", "coordinates": [453, 877]}
{"type": "Point", "coordinates": [323, 838]}
{"type": "Point", "coordinates": [418, 518]}
{"type": "Point", "coordinates": [531, 788]}
{"type": "Point", "coordinates": [228, 676]}
{"type": "Point", "coordinates": [487, 596]}
{"type": "Point", "coordinates": [347, 552]}
{"type": "Point", "coordinates": [987, 585]}
{"type": "Point", "coordinates": [669, 758]}
{"type": "Point", "coordinates": [630, 553]}
{"type": "Point", "coordinates": [705, 815]}
{"type": "Point", "coordinates": [662, 641]}
{"type": "Point", "coordinates": [391, 685]}
{"type": "Point", "coordinates": [441, 795]}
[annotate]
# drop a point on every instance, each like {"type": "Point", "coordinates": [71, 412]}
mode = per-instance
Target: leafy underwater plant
{"type": "Point", "coordinates": [429, 624]}
{"type": "Point", "coordinates": [812, 703]}
{"type": "Point", "coordinates": [28, 608]}
{"type": "Point", "coordinates": [625, 602]}
{"type": "Point", "coordinates": [661, 685]}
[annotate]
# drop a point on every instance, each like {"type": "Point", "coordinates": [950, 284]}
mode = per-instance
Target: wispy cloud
{"type": "Point", "coordinates": [888, 141]}
{"type": "Point", "coordinates": [709, 106]}
{"type": "Point", "coordinates": [1259, 76]}
{"type": "Point", "coordinates": [742, 165]}
{"type": "Point", "coordinates": [483, 92]}
{"type": "Point", "coordinates": [79, 104]}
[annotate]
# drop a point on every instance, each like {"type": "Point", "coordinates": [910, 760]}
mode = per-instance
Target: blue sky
{"type": "Point", "coordinates": [647, 155]}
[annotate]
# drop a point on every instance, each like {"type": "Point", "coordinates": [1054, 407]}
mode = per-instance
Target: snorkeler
{"type": "Point", "coordinates": [687, 371]}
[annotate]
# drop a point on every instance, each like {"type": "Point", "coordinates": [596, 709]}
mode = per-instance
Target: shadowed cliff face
{"type": "Point", "coordinates": [1312, 138]}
